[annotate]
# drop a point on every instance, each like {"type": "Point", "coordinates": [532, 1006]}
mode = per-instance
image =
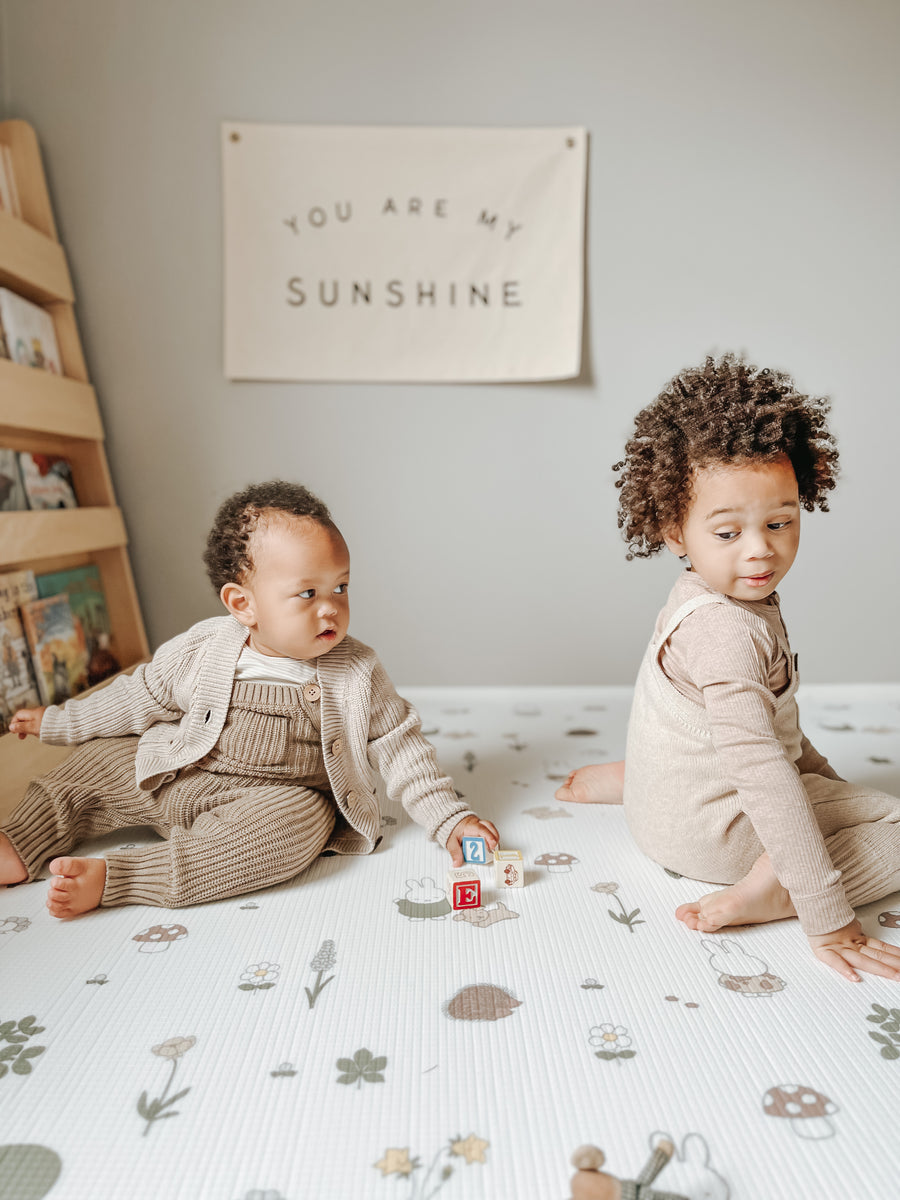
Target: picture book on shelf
{"type": "Point", "coordinates": [15, 206]}
{"type": "Point", "coordinates": [47, 480]}
{"type": "Point", "coordinates": [17, 685]}
{"type": "Point", "coordinates": [12, 493]}
{"type": "Point", "coordinates": [30, 333]}
{"type": "Point", "coordinates": [58, 649]}
{"type": "Point", "coordinates": [87, 600]}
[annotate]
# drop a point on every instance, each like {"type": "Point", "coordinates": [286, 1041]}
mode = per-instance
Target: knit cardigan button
{"type": "Point", "coordinates": [352, 797]}
{"type": "Point", "coordinates": [337, 746]}
{"type": "Point", "coordinates": [312, 692]}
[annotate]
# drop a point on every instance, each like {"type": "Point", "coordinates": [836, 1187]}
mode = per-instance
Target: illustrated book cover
{"type": "Point", "coordinates": [12, 493]}
{"type": "Point", "coordinates": [17, 685]}
{"type": "Point", "coordinates": [58, 648]}
{"type": "Point", "coordinates": [87, 600]}
{"type": "Point", "coordinates": [30, 334]}
{"type": "Point", "coordinates": [47, 480]}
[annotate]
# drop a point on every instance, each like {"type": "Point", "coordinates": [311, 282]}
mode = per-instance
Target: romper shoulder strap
{"type": "Point", "coordinates": [684, 610]}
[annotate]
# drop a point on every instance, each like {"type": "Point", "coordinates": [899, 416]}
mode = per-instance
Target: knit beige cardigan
{"type": "Point", "coordinates": [177, 704]}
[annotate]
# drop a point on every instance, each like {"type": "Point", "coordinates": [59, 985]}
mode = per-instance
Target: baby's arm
{"type": "Point", "coordinates": [128, 705]}
{"type": "Point", "coordinates": [408, 765]}
{"type": "Point", "coordinates": [471, 827]}
{"type": "Point", "coordinates": [27, 720]}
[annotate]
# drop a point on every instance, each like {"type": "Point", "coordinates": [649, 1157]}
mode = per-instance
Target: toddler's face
{"type": "Point", "coordinates": [297, 604]}
{"type": "Point", "coordinates": [742, 527]}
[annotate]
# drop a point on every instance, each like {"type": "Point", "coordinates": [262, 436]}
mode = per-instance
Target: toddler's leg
{"type": "Point", "coordinates": [256, 836]}
{"type": "Point", "coordinates": [862, 835]}
{"type": "Point", "coordinates": [861, 827]}
{"type": "Point", "coordinates": [753, 900]}
{"type": "Point", "coordinates": [601, 783]}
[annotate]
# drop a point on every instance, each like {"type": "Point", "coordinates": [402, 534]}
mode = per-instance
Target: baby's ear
{"type": "Point", "coordinates": [238, 603]}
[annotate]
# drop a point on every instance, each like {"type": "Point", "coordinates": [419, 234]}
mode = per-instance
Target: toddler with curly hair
{"type": "Point", "coordinates": [719, 783]}
{"type": "Point", "coordinates": [250, 742]}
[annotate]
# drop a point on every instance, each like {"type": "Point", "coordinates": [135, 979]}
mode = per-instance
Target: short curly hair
{"type": "Point", "coordinates": [725, 411]}
{"type": "Point", "coordinates": [227, 555]}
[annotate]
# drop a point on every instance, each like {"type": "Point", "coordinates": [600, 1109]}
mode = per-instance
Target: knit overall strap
{"type": "Point", "coordinates": [689, 606]}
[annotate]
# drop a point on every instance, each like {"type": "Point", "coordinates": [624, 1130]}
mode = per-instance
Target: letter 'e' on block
{"type": "Point", "coordinates": [509, 869]}
{"type": "Point", "coordinates": [475, 850]}
{"type": "Point", "coordinates": [464, 888]}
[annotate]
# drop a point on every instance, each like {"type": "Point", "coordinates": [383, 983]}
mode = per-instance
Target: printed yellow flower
{"type": "Point", "coordinates": [395, 1162]}
{"type": "Point", "coordinates": [174, 1047]}
{"type": "Point", "coordinates": [472, 1149]}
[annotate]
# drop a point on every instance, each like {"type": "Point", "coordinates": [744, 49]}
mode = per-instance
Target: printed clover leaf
{"type": "Point", "coordinates": [362, 1066]}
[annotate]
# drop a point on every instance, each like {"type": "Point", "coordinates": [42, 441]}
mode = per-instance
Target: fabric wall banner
{"type": "Point", "coordinates": [403, 253]}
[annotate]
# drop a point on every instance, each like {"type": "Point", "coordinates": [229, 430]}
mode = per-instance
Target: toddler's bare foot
{"type": "Point", "coordinates": [601, 783]}
{"type": "Point", "coordinates": [12, 869]}
{"type": "Point", "coordinates": [76, 886]}
{"type": "Point", "coordinates": [753, 900]}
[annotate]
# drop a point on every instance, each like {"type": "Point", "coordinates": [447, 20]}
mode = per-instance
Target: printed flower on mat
{"type": "Point", "coordinates": [612, 1042]}
{"type": "Point", "coordinates": [610, 1037]}
{"type": "Point", "coordinates": [174, 1047]}
{"type": "Point", "coordinates": [606, 889]}
{"type": "Point", "coordinates": [259, 976]}
{"type": "Point", "coordinates": [472, 1149]}
{"type": "Point", "coordinates": [14, 925]}
{"type": "Point", "coordinates": [396, 1162]}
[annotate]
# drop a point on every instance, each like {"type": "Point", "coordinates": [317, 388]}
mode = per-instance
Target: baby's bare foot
{"type": "Point", "coordinates": [601, 783]}
{"type": "Point", "coordinates": [12, 869]}
{"type": "Point", "coordinates": [753, 900]}
{"type": "Point", "coordinates": [76, 886]}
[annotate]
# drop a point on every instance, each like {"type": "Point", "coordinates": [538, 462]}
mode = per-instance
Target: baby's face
{"type": "Point", "coordinates": [297, 594]}
{"type": "Point", "coordinates": [742, 527]}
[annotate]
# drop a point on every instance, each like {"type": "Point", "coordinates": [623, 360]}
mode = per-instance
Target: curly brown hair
{"type": "Point", "coordinates": [723, 412]}
{"type": "Point", "coordinates": [227, 555]}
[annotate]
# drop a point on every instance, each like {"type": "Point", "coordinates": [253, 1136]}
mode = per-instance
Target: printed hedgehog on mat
{"type": "Point", "coordinates": [481, 1002]}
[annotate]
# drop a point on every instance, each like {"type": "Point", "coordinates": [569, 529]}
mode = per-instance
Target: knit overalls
{"type": "Point", "coordinates": [686, 815]}
{"type": "Point", "coordinates": [253, 812]}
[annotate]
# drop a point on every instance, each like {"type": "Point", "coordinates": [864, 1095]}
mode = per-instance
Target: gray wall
{"type": "Point", "coordinates": [743, 194]}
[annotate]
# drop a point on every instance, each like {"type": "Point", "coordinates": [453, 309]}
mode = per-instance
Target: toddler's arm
{"type": "Point", "coordinates": [848, 948]}
{"type": "Point", "coordinates": [27, 720]}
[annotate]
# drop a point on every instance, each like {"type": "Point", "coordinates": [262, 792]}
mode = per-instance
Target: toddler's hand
{"type": "Point", "coordinates": [471, 827]}
{"type": "Point", "coordinates": [849, 947]}
{"type": "Point", "coordinates": [27, 720]}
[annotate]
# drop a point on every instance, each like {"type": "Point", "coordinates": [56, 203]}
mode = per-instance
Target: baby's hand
{"type": "Point", "coordinates": [849, 947]}
{"type": "Point", "coordinates": [471, 827]}
{"type": "Point", "coordinates": [27, 720]}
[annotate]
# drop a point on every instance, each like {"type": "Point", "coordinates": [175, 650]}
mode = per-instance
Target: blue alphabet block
{"type": "Point", "coordinates": [474, 850]}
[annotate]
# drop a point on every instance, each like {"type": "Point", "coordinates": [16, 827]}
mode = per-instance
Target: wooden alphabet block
{"type": "Point", "coordinates": [475, 850]}
{"type": "Point", "coordinates": [464, 887]}
{"type": "Point", "coordinates": [509, 869]}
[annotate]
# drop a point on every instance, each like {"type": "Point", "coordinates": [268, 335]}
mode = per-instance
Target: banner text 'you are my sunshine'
{"type": "Point", "coordinates": [395, 293]}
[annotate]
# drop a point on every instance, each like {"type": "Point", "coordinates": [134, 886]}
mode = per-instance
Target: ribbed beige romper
{"type": "Point", "coordinates": [832, 844]}
{"type": "Point", "coordinates": [253, 812]}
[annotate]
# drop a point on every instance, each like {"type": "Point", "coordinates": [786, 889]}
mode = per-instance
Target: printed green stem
{"type": "Point", "coordinates": [313, 995]}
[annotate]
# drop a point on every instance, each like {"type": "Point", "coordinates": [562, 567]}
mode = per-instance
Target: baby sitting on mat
{"type": "Point", "coordinates": [247, 742]}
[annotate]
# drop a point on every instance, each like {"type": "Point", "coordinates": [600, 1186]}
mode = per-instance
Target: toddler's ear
{"type": "Point", "coordinates": [674, 541]}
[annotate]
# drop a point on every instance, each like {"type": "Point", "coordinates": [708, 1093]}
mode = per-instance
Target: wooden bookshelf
{"type": "Point", "coordinates": [46, 413]}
